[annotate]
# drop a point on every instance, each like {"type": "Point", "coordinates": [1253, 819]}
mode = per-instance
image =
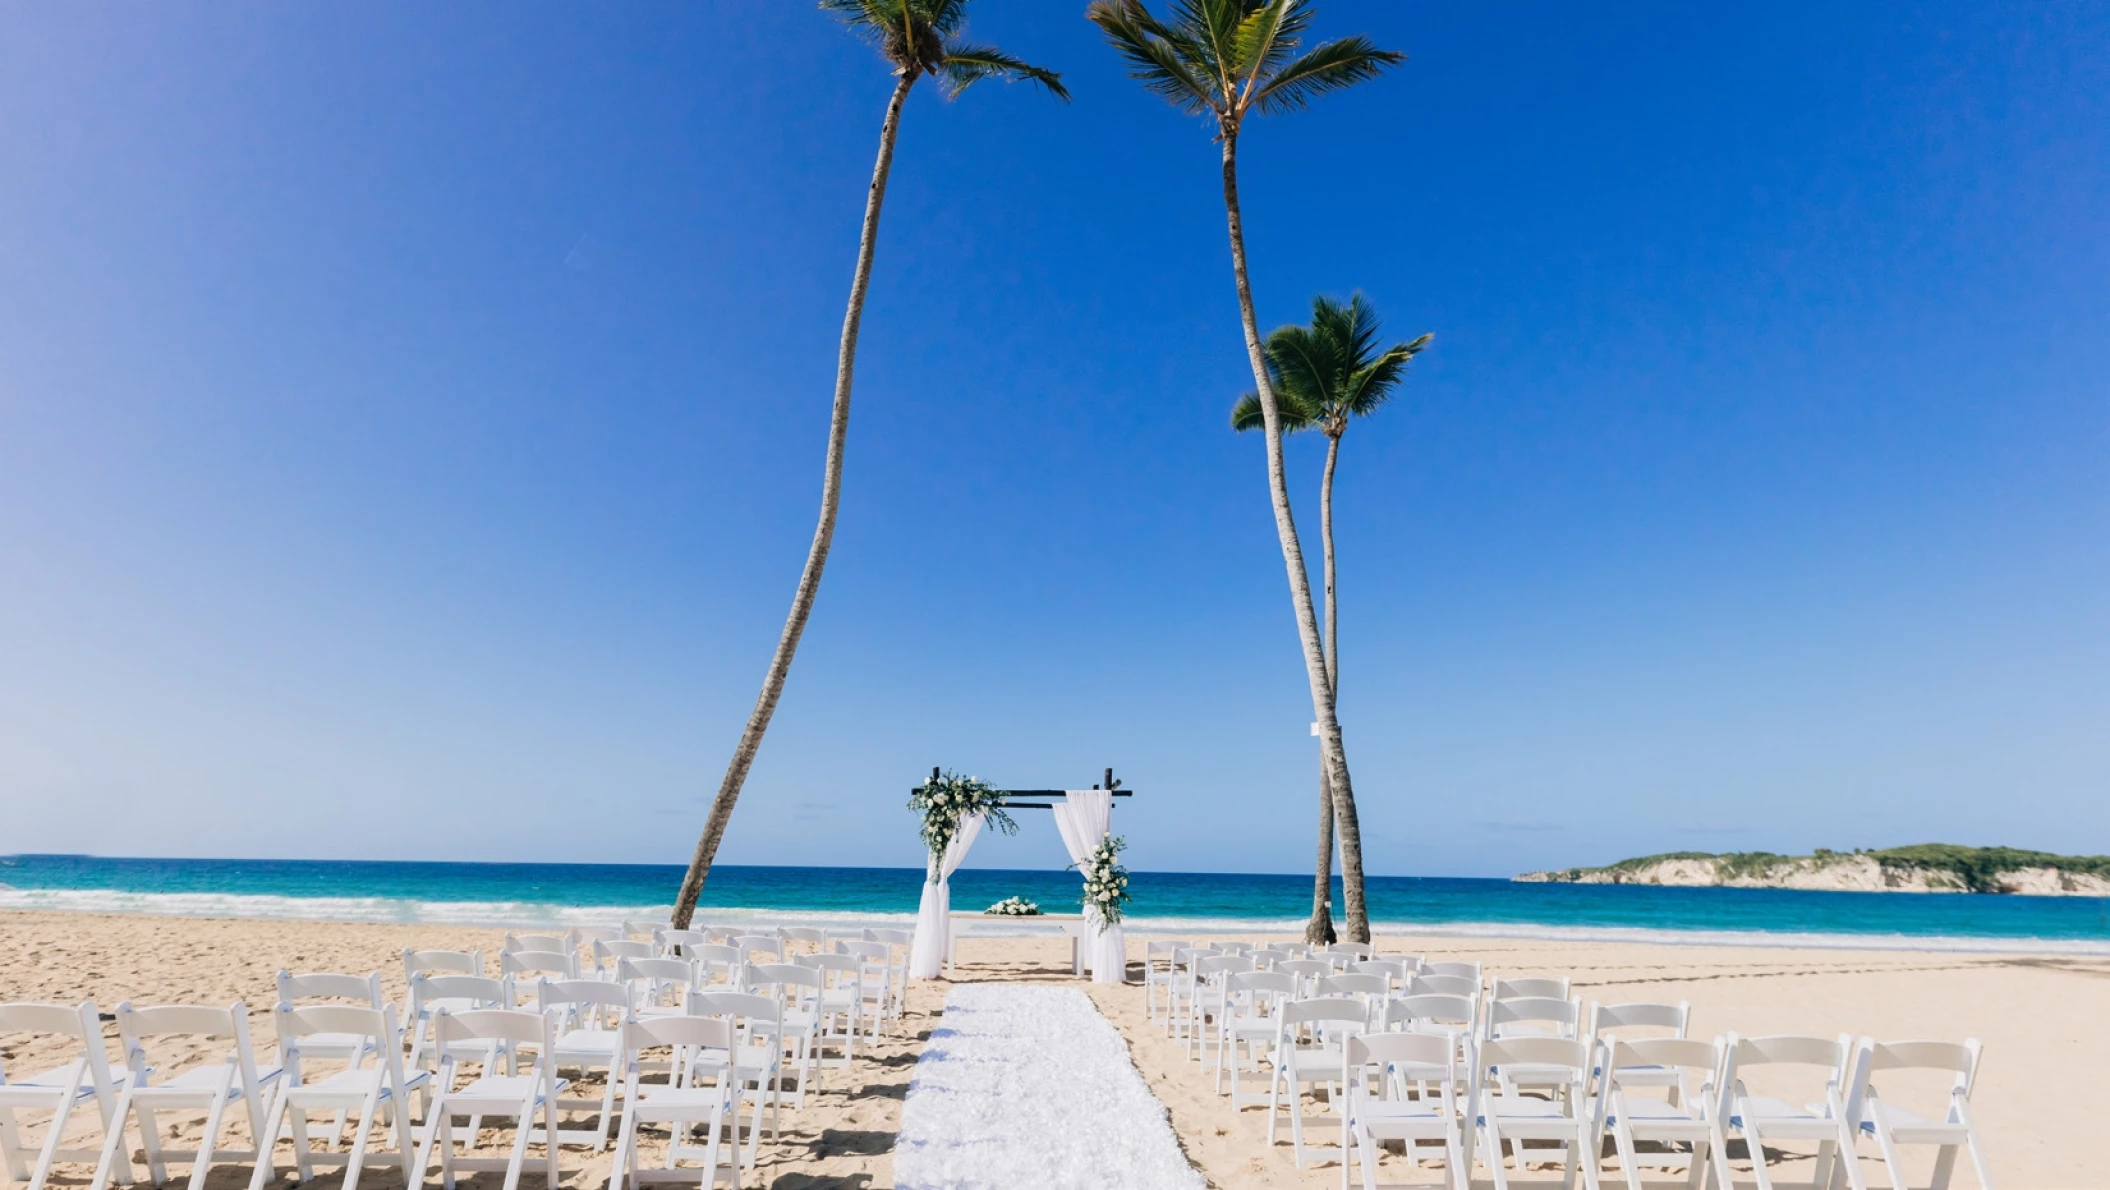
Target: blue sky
{"type": "Point", "coordinates": [411, 418]}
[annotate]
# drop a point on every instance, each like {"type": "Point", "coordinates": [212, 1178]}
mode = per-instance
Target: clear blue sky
{"type": "Point", "coordinates": [411, 419]}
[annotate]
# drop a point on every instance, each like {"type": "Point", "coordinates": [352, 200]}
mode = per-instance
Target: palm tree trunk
{"type": "Point", "coordinates": [823, 534]}
{"type": "Point", "coordinates": [1320, 928]}
{"type": "Point", "coordinates": [1299, 580]}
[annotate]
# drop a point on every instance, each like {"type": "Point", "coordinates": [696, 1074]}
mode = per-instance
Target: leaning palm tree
{"type": "Point", "coordinates": [916, 38]}
{"type": "Point", "coordinates": [1324, 375]}
{"type": "Point", "coordinates": [1227, 61]}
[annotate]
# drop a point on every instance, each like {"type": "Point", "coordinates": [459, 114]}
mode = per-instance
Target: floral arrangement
{"type": "Point", "coordinates": [1014, 907]}
{"type": "Point", "coordinates": [947, 798]}
{"type": "Point", "coordinates": [1105, 880]}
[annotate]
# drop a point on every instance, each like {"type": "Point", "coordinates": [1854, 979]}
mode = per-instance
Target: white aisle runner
{"type": "Point", "coordinates": [1025, 1086]}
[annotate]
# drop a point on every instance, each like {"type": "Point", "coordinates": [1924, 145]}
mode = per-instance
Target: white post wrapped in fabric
{"type": "Point", "coordinates": [1084, 819]}
{"type": "Point", "coordinates": [926, 956]}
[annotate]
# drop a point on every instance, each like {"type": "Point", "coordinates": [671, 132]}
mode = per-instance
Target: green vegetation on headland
{"type": "Point", "coordinates": [1934, 865]}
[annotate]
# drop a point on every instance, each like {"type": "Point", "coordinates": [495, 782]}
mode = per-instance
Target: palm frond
{"type": "Point", "coordinates": [1368, 388]}
{"type": "Point", "coordinates": [966, 65]}
{"type": "Point", "coordinates": [869, 19]}
{"type": "Point", "coordinates": [945, 16]}
{"type": "Point", "coordinates": [1328, 67]}
{"type": "Point", "coordinates": [1164, 60]}
{"type": "Point", "coordinates": [1268, 37]}
{"type": "Point", "coordinates": [1294, 414]}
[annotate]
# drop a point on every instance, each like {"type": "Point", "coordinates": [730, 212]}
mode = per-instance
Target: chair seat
{"type": "Point", "coordinates": [1643, 1110]}
{"type": "Point", "coordinates": [351, 1084]}
{"type": "Point", "coordinates": [675, 1103]}
{"type": "Point", "coordinates": [45, 1087]}
{"type": "Point", "coordinates": [202, 1079]}
{"type": "Point", "coordinates": [1909, 1127]}
{"type": "Point", "coordinates": [1505, 1107]}
{"type": "Point", "coordinates": [501, 1089]}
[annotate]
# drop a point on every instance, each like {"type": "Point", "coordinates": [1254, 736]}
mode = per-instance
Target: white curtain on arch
{"type": "Point", "coordinates": [1085, 817]}
{"type": "Point", "coordinates": [926, 956]}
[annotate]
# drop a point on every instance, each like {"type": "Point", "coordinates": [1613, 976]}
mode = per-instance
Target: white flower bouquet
{"type": "Point", "coordinates": [1014, 907]}
{"type": "Point", "coordinates": [947, 798]}
{"type": "Point", "coordinates": [1105, 880]}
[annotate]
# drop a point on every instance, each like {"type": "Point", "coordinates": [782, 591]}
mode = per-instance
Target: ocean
{"type": "Point", "coordinates": [527, 895]}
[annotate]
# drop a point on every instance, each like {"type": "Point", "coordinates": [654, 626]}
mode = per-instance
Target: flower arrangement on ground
{"type": "Point", "coordinates": [1014, 907]}
{"type": "Point", "coordinates": [946, 799]}
{"type": "Point", "coordinates": [1105, 880]}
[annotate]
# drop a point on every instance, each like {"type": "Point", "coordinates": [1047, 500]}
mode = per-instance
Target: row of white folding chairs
{"type": "Point", "coordinates": [373, 1080]}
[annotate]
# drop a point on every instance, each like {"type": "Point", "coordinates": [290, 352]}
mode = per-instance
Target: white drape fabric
{"type": "Point", "coordinates": [1083, 819]}
{"type": "Point", "coordinates": [926, 955]}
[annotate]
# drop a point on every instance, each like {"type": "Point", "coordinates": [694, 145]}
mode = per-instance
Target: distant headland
{"type": "Point", "coordinates": [1922, 867]}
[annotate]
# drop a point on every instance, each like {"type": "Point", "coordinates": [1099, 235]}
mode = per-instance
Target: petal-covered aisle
{"type": "Point", "coordinates": [1030, 1086]}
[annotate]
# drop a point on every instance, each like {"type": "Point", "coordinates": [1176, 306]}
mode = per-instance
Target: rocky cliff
{"type": "Point", "coordinates": [1928, 868]}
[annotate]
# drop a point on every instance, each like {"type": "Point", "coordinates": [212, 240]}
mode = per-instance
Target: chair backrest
{"type": "Point", "coordinates": [890, 937]}
{"type": "Point", "coordinates": [503, 1027]}
{"type": "Point", "coordinates": [1465, 970]}
{"type": "Point", "coordinates": [361, 989]}
{"type": "Point", "coordinates": [1655, 1054]}
{"type": "Point", "coordinates": [1621, 1020]}
{"type": "Point", "coordinates": [1417, 1057]}
{"type": "Point", "coordinates": [794, 985]}
{"type": "Point", "coordinates": [479, 990]}
{"type": "Point", "coordinates": [673, 941]}
{"type": "Point", "coordinates": [136, 1025]}
{"type": "Point", "coordinates": [805, 935]}
{"type": "Point", "coordinates": [1309, 970]}
{"type": "Point", "coordinates": [1397, 971]}
{"type": "Point", "coordinates": [1534, 1015]}
{"type": "Point", "coordinates": [869, 952]}
{"type": "Point", "coordinates": [557, 942]}
{"type": "Point", "coordinates": [1551, 1059]}
{"type": "Point", "coordinates": [1328, 1009]}
{"type": "Point", "coordinates": [1531, 988]}
{"type": "Point", "coordinates": [606, 954]}
{"type": "Point", "coordinates": [836, 965]}
{"type": "Point", "coordinates": [459, 962]}
{"type": "Point", "coordinates": [1444, 985]}
{"type": "Point", "coordinates": [1261, 988]}
{"type": "Point", "coordinates": [749, 1014]}
{"type": "Point", "coordinates": [582, 935]}
{"type": "Point", "coordinates": [658, 970]}
{"type": "Point", "coordinates": [538, 962]}
{"type": "Point", "coordinates": [640, 930]}
{"type": "Point", "coordinates": [1432, 1013]}
{"type": "Point", "coordinates": [76, 1022]}
{"type": "Point", "coordinates": [1368, 987]}
{"type": "Point", "coordinates": [375, 1025]}
{"type": "Point", "coordinates": [584, 997]}
{"type": "Point", "coordinates": [1164, 946]}
{"type": "Point", "coordinates": [1958, 1060]}
{"type": "Point", "coordinates": [672, 1032]}
{"type": "Point", "coordinates": [751, 945]}
{"type": "Point", "coordinates": [1361, 950]}
{"type": "Point", "coordinates": [1211, 968]}
{"type": "Point", "coordinates": [1830, 1055]}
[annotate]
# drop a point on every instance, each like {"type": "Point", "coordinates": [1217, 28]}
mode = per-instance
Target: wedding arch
{"type": "Point", "coordinates": [1084, 819]}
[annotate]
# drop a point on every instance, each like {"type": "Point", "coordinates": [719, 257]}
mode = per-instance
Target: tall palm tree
{"type": "Point", "coordinates": [916, 38]}
{"type": "Point", "coordinates": [1227, 61]}
{"type": "Point", "coordinates": [1324, 375]}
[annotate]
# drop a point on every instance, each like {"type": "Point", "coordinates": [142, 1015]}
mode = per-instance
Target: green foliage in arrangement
{"type": "Point", "coordinates": [947, 798]}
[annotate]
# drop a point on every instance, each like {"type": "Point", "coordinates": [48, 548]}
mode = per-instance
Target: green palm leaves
{"type": "Point", "coordinates": [1328, 372]}
{"type": "Point", "coordinates": [921, 37]}
{"type": "Point", "coordinates": [1227, 58]}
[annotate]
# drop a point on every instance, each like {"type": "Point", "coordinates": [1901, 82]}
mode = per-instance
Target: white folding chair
{"type": "Point", "coordinates": [657, 986]}
{"type": "Point", "coordinates": [677, 942]}
{"type": "Point", "coordinates": [813, 939]}
{"type": "Point", "coordinates": [1454, 970]}
{"type": "Point", "coordinates": [754, 1066]}
{"type": "Point", "coordinates": [349, 1035]}
{"type": "Point", "coordinates": [1630, 1022]}
{"type": "Point", "coordinates": [898, 944]}
{"type": "Point", "coordinates": [561, 943]}
{"type": "Point", "coordinates": [1368, 986]}
{"type": "Point", "coordinates": [797, 993]}
{"type": "Point", "coordinates": [588, 1012]}
{"type": "Point", "coordinates": [360, 991]}
{"type": "Point", "coordinates": [838, 1004]}
{"type": "Point", "coordinates": [1361, 950]}
{"type": "Point", "coordinates": [875, 962]}
{"type": "Point", "coordinates": [86, 1078]}
{"type": "Point", "coordinates": [1502, 1115]}
{"type": "Point", "coordinates": [1762, 1119]}
{"type": "Point", "coordinates": [210, 1086]}
{"type": "Point", "coordinates": [1253, 998]}
{"type": "Point", "coordinates": [1158, 972]}
{"type": "Point", "coordinates": [1948, 1128]}
{"type": "Point", "coordinates": [1206, 1003]}
{"type": "Point", "coordinates": [524, 967]}
{"type": "Point", "coordinates": [1378, 1069]}
{"type": "Point", "coordinates": [1396, 972]}
{"type": "Point", "coordinates": [642, 931]}
{"type": "Point", "coordinates": [1684, 1116]}
{"type": "Point", "coordinates": [431, 994]}
{"type": "Point", "coordinates": [1179, 1017]}
{"type": "Point", "coordinates": [679, 1104]}
{"type": "Point", "coordinates": [757, 948]}
{"type": "Point", "coordinates": [518, 1097]}
{"type": "Point", "coordinates": [1309, 1040]}
{"type": "Point", "coordinates": [718, 966]}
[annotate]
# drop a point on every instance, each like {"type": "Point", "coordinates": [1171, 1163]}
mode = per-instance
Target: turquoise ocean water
{"type": "Point", "coordinates": [1186, 902]}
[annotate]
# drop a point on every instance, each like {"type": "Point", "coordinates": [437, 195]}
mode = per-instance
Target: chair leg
{"type": "Point", "coordinates": [356, 1159]}
{"type": "Point", "coordinates": [207, 1141]}
{"type": "Point", "coordinates": [113, 1140]}
{"type": "Point", "coordinates": [263, 1171]}
{"type": "Point", "coordinates": [50, 1152]}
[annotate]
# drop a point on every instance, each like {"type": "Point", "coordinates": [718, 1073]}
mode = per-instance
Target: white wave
{"type": "Point", "coordinates": [531, 914]}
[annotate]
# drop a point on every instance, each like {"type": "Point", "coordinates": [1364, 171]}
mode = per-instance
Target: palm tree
{"type": "Point", "coordinates": [1229, 60]}
{"type": "Point", "coordinates": [916, 38]}
{"type": "Point", "coordinates": [1324, 375]}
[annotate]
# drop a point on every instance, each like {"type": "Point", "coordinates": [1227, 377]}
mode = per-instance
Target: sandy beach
{"type": "Point", "coordinates": [2041, 1019]}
